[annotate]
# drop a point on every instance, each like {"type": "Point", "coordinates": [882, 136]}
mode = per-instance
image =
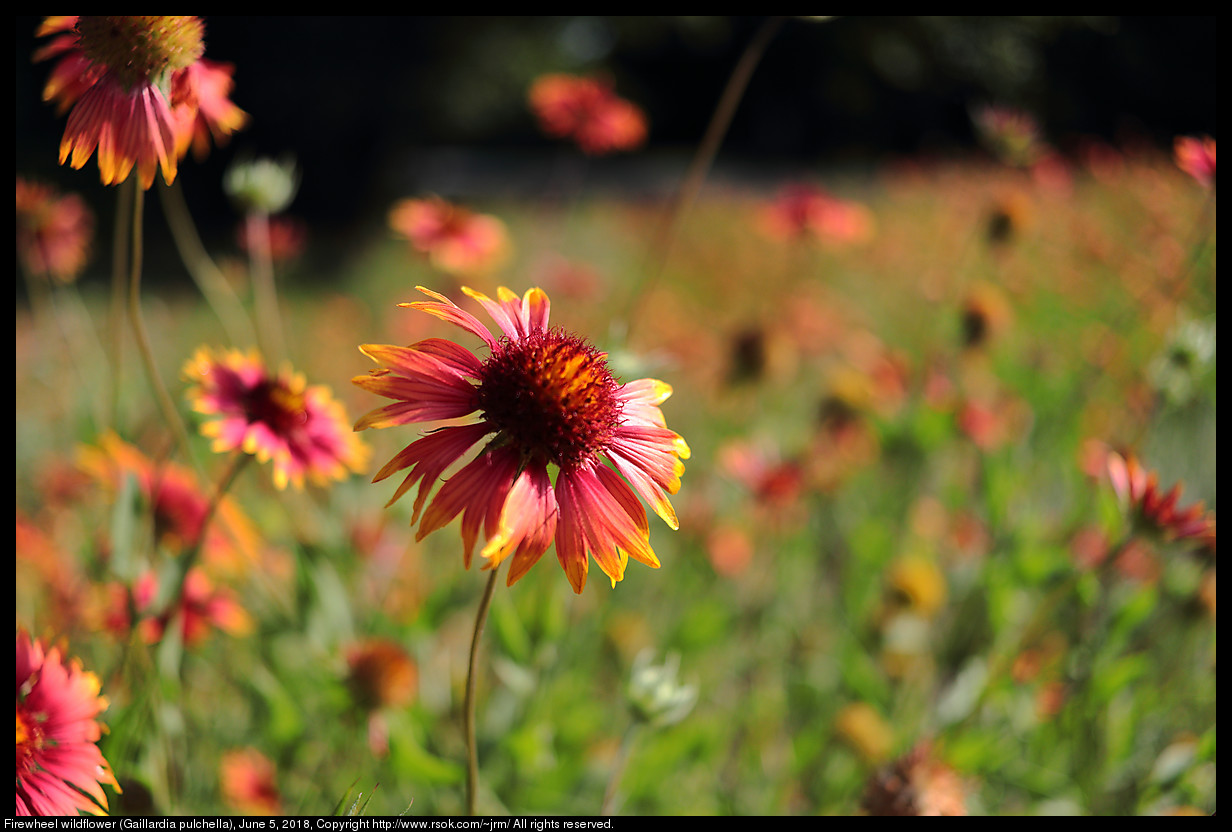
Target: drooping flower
{"type": "Point", "coordinates": [587, 111]}
{"type": "Point", "coordinates": [60, 770]}
{"type": "Point", "coordinates": [177, 502]}
{"type": "Point", "coordinates": [549, 402]}
{"type": "Point", "coordinates": [53, 231]}
{"type": "Point", "coordinates": [137, 90]}
{"type": "Point", "coordinates": [276, 417]}
{"type": "Point", "coordinates": [1196, 156]}
{"type": "Point", "coordinates": [456, 240]}
{"type": "Point", "coordinates": [248, 783]}
{"type": "Point", "coordinates": [1154, 511]}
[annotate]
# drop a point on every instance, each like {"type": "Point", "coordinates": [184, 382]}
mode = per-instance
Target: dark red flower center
{"type": "Point", "coordinates": [552, 396]}
{"type": "Point", "coordinates": [278, 407]}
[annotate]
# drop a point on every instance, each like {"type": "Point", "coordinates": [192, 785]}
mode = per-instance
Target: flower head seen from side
{"type": "Point", "coordinates": [587, 111]}
{"type": "Point", "coordinates": [547, 402]}
{"type": "Point", "coordinates": [60, 770]}
{"type": "Point", "coordinates": [53, 231]}
{"type": "Point", "coordinates": [455, 240]}
{"type": "Point", "coordinates": [137, 90]}
{"type": "Point", "coordinates": [278, 418]}
{"type": "Point", "coordinates": [1196, 156]}
{"type": "Point", "coordinates": [1154, 511]}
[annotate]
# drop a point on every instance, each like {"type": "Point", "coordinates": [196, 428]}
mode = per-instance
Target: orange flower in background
{"type": "Point", "coordinates": [381, 675]}
{"type": "Point", "coordinates": [547, 398]}
{"type": "Point", "coordinates": [302, 429]}
{"type": "Point", "coordinates": [137, 90]}
{"type": "Point", "coordinates": [808, 212]}
{"type": "Point", "coordinates": [53, 231]}
{"type": "Point", "coordinates": [1196, 156]}
{"type": "Point", "coordinates": [456, 240]}
{"type": "Point", "coordinates": [587, 111]}
{"type": "Point", "coordinates": [60, 770]}
{"type": "Point", "coordinates": [248, 783]}
{"type": "Point", "coordinates": [1154, 511]}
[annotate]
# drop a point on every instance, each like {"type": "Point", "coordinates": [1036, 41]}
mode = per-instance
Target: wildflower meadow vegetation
{"type": "Point", "coordinates": [874, 489]}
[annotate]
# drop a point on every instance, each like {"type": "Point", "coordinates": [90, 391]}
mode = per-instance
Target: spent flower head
{"type": "Point", "coordinates": [546, 402]}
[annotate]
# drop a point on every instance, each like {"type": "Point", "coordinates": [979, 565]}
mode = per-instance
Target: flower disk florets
{"type": "Point", "coordinates": [552, 396]}
{"type": "Point", "coordinates": [141, 48]}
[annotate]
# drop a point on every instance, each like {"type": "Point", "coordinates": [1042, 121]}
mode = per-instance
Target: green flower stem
{"type": "Point", "coordinates": [468, 714]}
{"type": "Point", "coordinates": [205, 272]}
{"type": "Point", "coordinates": [119, 270]}
{"type": "Point", "coordinates": [170, 415]}
{"type": "Point", "coordinates": [265, 293]}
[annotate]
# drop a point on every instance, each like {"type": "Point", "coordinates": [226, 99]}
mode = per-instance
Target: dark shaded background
{"type": "Point", "coordinates": [374, 108]}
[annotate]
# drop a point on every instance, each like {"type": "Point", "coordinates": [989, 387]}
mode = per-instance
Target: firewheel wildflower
{"type": "Point", "coordinates": [53, 231]}
{"type": "Point", "coordinates": [1154, 511]}
{"type": "Point", "coordinates": [137, 90]}
{"type": "Point", "coordinates": [548, 402]}
{"type": "Point", "coordinates": [455, 240]}
{"type": "Point", "coordinates": [587, 111]}
{"type": "Point", "coordinates": [275, 417]}
{"type": "Point", "coordinates": [60, 770]}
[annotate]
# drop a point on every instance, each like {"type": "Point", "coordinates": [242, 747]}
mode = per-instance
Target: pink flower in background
{"type": "Point", "coordinates": [60, 770]}
{"type": "Point", "coordinates": [302, 429]}
{"type": "Point", "coordinates": [587, 111]}
{"type": "Point", "coordinates": [456, 240]}
{"type": "Point", "coordinates": [1196, 156]}
{"type": "Point", "coordinates": [54, 232]}
{"type": "Point", "coordinates": [808, 212]}
{"type": "Point", "coordinates": [548, 401]}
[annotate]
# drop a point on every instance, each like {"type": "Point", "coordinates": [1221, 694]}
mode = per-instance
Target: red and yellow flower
{"type": "Point", "coordinates": [547, 402]}
{"type": "Point", "coordinates": [60, 770]}
{"type": "Point", "coordinates": [455, 240]}
{"type": "Point", "coordinates": [278, 418]}
{"type": "Point", "coordinates": [53, 231]}
{"type": "Point", "coordinates": [587, 111]}
{"type": "Point", "coordinates": [137, 90]}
